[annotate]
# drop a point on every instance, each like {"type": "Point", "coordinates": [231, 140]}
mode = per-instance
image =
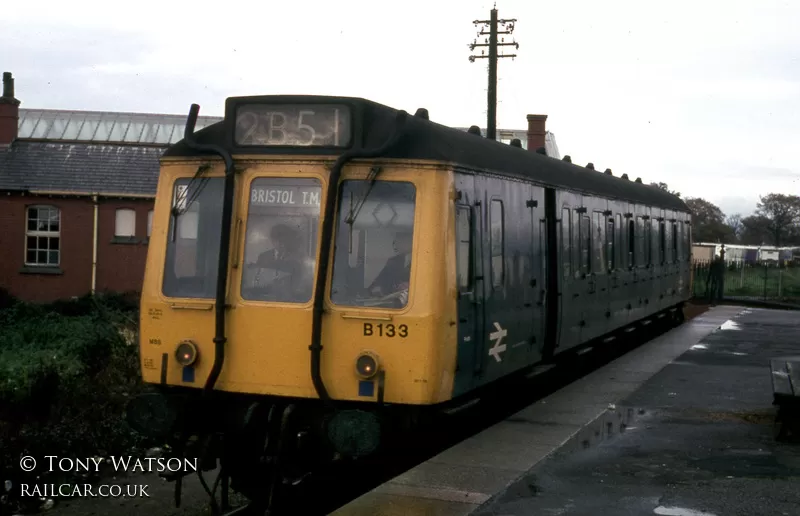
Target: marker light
{"type": "Point", "coordinates": [186, 353]}
{"type": "Point", "coordinates": [367, 365]}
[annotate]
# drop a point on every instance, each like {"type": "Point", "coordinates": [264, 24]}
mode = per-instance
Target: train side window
{"type": "Point", "coordinates": [464, 247]}
{"type": "Point", "coordinates": [643, 242]}
{"type": "Point", "coordinates": [619, 243]}
{"type": "Point", "coordinates": [566, 239]}
{"type": "Point", "coordinates": [655, 242]}
{"type": "Point", "coordinates": [496, 219]}
{"type": "Point", "coordinates": [598, 242]}
{"type": "Point", "coordinates": [662, 243]}
{"type": "Point", "coordinates": [674, 244]}
{"type": "Point", "coordinates": [687, 239]}
{"type": "Point", "coordinates": [585, 235]}
{"type": "Point", "coordinates": [633, 253]}
{"type": "Point", "coordinates": [610, 239]}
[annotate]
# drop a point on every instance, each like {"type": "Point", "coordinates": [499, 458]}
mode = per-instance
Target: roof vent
{"type": "Point", "coordinates": [474, 129]}
{"type": "Point", "coordinates": [422, 113]}
{"type": "Point", "coordinates": [608, 172]}
{"type": "Point", "coordinates": [590, 166]}
{"type": "Point", "coordinates": [625, 177]}
{"type": "Point", "coordinates": [567, 158]}
{"type": "Point", "coordinates": [541, 150]}
{"type": "Point", "coordinates": [638, 179]}
{"type": "Point", "coordinates": [516, 143]}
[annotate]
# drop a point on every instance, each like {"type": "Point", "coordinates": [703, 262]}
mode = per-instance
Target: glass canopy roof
{"type": "Point", "coordinates": [105, 127]}
{"type": "Point", "coordinates": [152, 129]}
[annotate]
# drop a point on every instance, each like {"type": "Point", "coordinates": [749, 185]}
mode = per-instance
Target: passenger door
{"type": "Point", "coordinates": [469, 283]}
{"type": "Point", "coordinates": [538, 279]}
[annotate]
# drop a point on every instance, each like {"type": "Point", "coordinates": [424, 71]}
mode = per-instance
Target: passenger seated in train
{"type": "Point", "coordinates": [395, 275]}
{"type": "Point", "coordinates": [292, 279]}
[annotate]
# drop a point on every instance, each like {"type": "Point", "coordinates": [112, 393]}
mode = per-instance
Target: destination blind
{"type": "Point", "coordinates": [285, 196]}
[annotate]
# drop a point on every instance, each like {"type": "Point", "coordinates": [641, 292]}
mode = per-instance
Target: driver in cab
{"type": "Point", "coordinates": [395, 275]}
{"type": "Point", "coordinates": [286, 256]}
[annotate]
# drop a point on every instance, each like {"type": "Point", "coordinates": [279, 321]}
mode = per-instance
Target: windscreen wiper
{"type": "Point", "coordinates": [176, 211]}
{"type": "Point", "coordinates": [372, 177]}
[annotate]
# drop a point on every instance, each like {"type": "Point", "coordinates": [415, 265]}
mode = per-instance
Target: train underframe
{"type": "Point", "coordinates": [268, 448]}
{"type": "Point", "coordinates": [265, 447]}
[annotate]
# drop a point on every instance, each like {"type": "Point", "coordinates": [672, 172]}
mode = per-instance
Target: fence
{"type": "Point", "coordinates": [752, 282]}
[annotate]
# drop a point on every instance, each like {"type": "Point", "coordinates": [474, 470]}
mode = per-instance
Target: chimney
{"type": "Point", "coordinates": [536, 131]}
{"type": "Point", "coordinates": [9, 112]}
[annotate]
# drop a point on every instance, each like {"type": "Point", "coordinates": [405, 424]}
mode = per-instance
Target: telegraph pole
{"type": "Point", "coordinates": [492, 43]}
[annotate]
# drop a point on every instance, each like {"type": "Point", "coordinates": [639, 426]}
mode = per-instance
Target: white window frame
{"type": "Point", "coordinates": [46, 233]}
{"type": "Point", "coordinates": [119, 225]}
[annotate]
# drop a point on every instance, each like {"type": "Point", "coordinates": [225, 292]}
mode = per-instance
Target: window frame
{"type": "Point", "coordinates": [121, 237]}
{"type": "Point", "coordinates": [36, 233]}
{"type": "Point", "coordinates": [467, 285]}
{"type": "Point", "coordinates": [498, 281]}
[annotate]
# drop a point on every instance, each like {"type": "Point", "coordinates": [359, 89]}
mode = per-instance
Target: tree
{"type": "Point", "coordinates": [665, 187]}
{"type": "Point", "coordinates": [755, 231]}
{"type": "Point", "coordinates": [708, 221]}
{"type": "Point", "coordinates": [737, 227]}
{"type": "Point", "coordinates": [782, 213]}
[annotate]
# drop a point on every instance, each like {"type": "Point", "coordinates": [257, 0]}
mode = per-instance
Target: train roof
{"type": "Point", "coordinates": [424, 139]}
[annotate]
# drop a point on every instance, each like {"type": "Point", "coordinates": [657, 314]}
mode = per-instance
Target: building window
{"type": "Point", "coordinates": [125, 224]}
{"type": "Point", "coordinates": [149, 223]}
{"type": "Point", "coordinates": [43, 236]}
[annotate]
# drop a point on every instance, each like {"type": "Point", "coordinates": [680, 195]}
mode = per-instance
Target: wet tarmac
{"type": "Point", "coordinates": [696, 439]}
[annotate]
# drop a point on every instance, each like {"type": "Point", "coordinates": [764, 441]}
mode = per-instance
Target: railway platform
{"type": "Point", "coordinates": [682, 425]}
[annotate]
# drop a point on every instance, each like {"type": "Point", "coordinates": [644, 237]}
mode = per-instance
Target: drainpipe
{"type": "Point", "coordinates": [94, 244]}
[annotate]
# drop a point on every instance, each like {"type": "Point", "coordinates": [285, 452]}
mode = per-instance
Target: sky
{"type": "Point", "coordinates": [702, 95]}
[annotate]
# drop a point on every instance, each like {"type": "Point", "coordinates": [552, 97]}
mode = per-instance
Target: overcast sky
{"type": "Point", "coordinates": [702, 95]}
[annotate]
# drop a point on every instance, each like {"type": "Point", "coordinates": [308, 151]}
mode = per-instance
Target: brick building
{"type": "Point", "coordinates": [76, 197]}
{"type": "Point", "coordinates": [77, 191]}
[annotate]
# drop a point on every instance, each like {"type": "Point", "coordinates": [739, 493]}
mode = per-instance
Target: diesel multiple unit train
{"type": "Point", "coordinates": [324, 271]}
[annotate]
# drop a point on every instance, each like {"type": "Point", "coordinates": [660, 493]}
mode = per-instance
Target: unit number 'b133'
{"type": "Point", "coordinates": [385, 330]}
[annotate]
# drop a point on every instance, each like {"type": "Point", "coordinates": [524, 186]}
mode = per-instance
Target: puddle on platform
{"type": "Point", "coordinates": [679, 511]}
{"type": "Point", "coordinates": [730, 325]}
{"type": "Point", "coordinates": [616, 420]}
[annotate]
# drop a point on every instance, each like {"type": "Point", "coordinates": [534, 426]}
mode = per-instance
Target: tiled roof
{"type": "Point", "coordinates": [80, 167]}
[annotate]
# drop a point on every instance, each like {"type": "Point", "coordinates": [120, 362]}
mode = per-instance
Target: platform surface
{"type": "Point", "coordinates": [700, 442]}
{"type": "Point", "coordinates": [492, 472]}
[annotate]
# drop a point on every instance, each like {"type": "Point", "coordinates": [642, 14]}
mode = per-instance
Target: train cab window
{"type": "Point", "coordinates": [611, 244]}
{"type": "Point", "coordinates": [497, 234]}
{"type": "Point", "coordinates": [585, 243]}
{"type": "Point", "coordinates": [192, 253]}
{"type": "Point", "coordinates": [633, 253]}
{"type": "Point", "coordinates": [566, 241]}
{"type": "Point", "coordinates": [280, 245]}
{"type": "Point", "coordinates": [598, 243]}
{"type": "Point", "coordinates": [372, 261]}
{"type": "Point", "coordinates": [463, 246]}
